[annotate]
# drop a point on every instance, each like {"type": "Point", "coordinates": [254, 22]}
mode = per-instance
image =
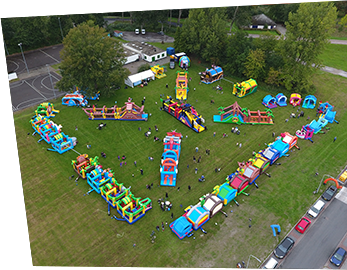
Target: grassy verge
{"type": "Point", "coordinates": [68, 228]}
{"type": "Point", "coordinates": [334, 56]}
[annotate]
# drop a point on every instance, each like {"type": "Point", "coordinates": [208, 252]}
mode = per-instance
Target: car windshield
{"type": "Point", "coordinates": [282, 248]}
{"type": "Point", "coordinates": [330, 191]}
{"type": "Point", "coordinates": [314, 209]}
{"type": "Point", "coordinates": [338, 257]}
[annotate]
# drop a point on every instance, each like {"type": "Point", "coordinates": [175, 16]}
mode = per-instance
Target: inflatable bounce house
{"type": "Point", "coordinates": [185, 113]}
{"type": "Point", "coordinates": [295, 99]}
{"type": "Point", "coordinates": [46, 109]}
{"type": "Point", "coordinates": [98, 177]}
{"type": "Point", "coordinates": [237, 115]}
{"type": "Point", "coordinates": [170, 158]}
{"type": "Point", "coordinates": [132, 208]}
{"type": "Point", "coordinates": [129, 112]}
{"type": "Point", "coordinates": [158, 71]}
{"type": "Point", "coordinates": [75, 99]}
{"type": "Point", "coordinates": [269, 102]}
{"type": "Point", "coordinates": [95, 96]}
{"type": "Point", "coordinates": [196, 216]}
{"type": "Point", "coordinates": [83, 165]}
{"type": "Point", "coordinates": [115, 194]}
{"type": "Point", "coordinates": [305, 133]}
{"type": "Point", "coordinates": [211, 75]}
{"type": "Point", "coordinates": [184, 62]}
{"type": "Point", "coordinates": [181, 85]}
{"type": "Point", "coordinates": [52, 134]}
{"type": "Point", "coordinates": [309, 102]}
{"type": "Point", "coordinates": [281, 100]}
{"type": "Point", "coordinates": [245, 88]}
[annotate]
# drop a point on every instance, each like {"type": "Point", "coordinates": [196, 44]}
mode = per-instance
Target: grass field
{"type": "Point", "coordinates": [334, 56]}
{"type": "Point", "coordinates": [68, 228]}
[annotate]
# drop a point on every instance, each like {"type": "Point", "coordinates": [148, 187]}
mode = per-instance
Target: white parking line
{"type": "Point", "coordinates": [50, 56]}
{"type": "Point", "coordinates": [35, 89]}
{"type": "Point", "coordinates": [342, 195]}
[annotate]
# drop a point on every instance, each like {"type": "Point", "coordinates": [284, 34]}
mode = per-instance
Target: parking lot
{"type": "Point", "coordinates": [31, 91]}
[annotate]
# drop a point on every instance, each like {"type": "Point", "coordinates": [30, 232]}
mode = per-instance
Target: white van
{"type": "Point", "coordinates": [137, 31]}
{"type": "Point", "coordinates": [271, 264]}
{"type": "Point", "coordinates": [143, 31]}
{"type": "Point", "coordinates": [316, 209]}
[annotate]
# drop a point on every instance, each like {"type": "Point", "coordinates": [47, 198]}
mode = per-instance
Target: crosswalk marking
{"type": "Point", "coordinates": [342, 195]}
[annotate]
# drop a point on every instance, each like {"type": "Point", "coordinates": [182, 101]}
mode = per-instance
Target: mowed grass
{"type": "Point", "coordinates": [335, 55]}
{"type": "Point", "coordinates": [69, 228]}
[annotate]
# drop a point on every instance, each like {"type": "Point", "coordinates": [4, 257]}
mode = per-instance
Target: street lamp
{"type": "Point", "coordinates": [20, 45]}
{"type": "Point", "coordinates": [61, 31]}
{"type": "Point", "coordinates": [4, 42]}
{"type": "Point", "coordinates": [50, 77]}
{"type": "Point", "coordinates": [254, 258]}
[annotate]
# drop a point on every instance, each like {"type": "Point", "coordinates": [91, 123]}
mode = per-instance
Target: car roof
{"type": "Point", "coordinates": [319, 203]}
{"type": "Point", "coordinates": [272, 263]}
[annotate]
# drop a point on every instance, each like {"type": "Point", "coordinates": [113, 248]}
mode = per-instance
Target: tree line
{"type": "Point", "coordinates": [288, 60]}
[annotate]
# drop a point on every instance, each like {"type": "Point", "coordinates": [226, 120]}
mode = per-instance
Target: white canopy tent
{"type": "Point", "coordinates": [136, 79]}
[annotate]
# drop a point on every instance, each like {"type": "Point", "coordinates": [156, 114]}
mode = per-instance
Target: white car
{"type": "Point", "coordinates": [143, 31]}
{"type": "Point", "coordinates": [271, 264]}
{"type": "Point", "coordinates": [316, 209]}
{"type": "Point", "coordinates": [137, 31]}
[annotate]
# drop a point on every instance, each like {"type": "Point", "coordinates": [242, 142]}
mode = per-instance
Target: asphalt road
{"type": "Point", "coordinates": [320, 241]}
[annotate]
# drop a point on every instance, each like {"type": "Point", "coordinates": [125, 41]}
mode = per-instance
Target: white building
{"type": "Point", "coordinates": [147, 51]}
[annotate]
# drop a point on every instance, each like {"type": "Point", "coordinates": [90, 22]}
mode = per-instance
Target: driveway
{"type": "Point", "coordinates": [148, 37]}
{"type": "Point", "coordinates": [320, 241]}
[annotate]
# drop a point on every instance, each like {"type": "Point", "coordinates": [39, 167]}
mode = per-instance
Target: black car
{"type": "Point", "coordinates": [284, 247]}
{"type": "Point", "coordinates": [329, 193]}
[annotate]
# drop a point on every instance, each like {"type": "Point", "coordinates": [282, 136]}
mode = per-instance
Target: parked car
{"type": "Point", "coordinates": [143, 31]}
{"type": "Point", "coordinates": [338, 257]}
{"type": "Point", "coordinates": [303, 225]}
{"type": "Point", "coordinates": [329, 193]}
{"type": "Point", "coordinates": [271, 264]}
{"type": "Point", "coordinates": [137, 31]}
{"type": "Point", "coordinates": [284, 247]}
{"type": "Point", "coordinates": [316, 209]}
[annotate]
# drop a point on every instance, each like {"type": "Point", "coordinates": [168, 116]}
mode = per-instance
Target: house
{"type": "Point", "coordinates": [117, 33]}
{"type": "Point", "coordinates": [147, 51]}
{"type": "Point", "coordinates": [130, 55]}
{"type": "Point", "coordinates": [261, 21]}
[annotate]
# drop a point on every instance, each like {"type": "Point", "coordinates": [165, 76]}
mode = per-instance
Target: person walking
{"type": "Point", "coordinates": [196, 149]}
{"type": "Point", "coordinates": [196, 170]}
{"type": "Point", "coordinates": [189, 187]}
{"type": "Point", "coordinates": [141, 171]}
{"type": "Point", "coordinates": [135, 163]}
{"type": "Point", "coordinates": [335, 139]}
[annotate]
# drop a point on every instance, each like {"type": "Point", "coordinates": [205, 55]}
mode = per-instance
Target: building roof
{"type": "Point", "coordinates": [144, 47]}
{"type": "Point", "coordinates": [262, 19]}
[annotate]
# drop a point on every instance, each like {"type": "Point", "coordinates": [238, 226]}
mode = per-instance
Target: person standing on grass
{"type": "Point", "coordinates": [335, 139]}
{"type": "Point", "coordinates": [141, 171]}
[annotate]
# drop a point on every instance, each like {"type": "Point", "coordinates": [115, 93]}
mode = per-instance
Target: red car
{"type": "Point", "coordinates": [303, 225]}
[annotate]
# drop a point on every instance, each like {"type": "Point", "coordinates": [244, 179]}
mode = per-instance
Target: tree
{"type": "Point", "coordinates": [71, 12]}
{"type": "Point", "coordinates": [308, 31]}
{"type": "Point", "coordinates": [279, 13]}
{"type": "Point", "coordinates": [240, 15]}
{"type": "Point", "coordinates": [92, 61]}
{"type": "Point", "coordinates": [237, 48]}
{"type": "Point", "coordinates": [203, 33]}
{"type": "Point", "coordinates": [149, 18]}
{"type": "Point", "coordinates": [255, 64]}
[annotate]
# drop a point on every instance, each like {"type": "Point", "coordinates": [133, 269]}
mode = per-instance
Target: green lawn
{"type": "Point", "coordinates": [335, 56]}
{"type": "Point", "coordinates": [68, 228]}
